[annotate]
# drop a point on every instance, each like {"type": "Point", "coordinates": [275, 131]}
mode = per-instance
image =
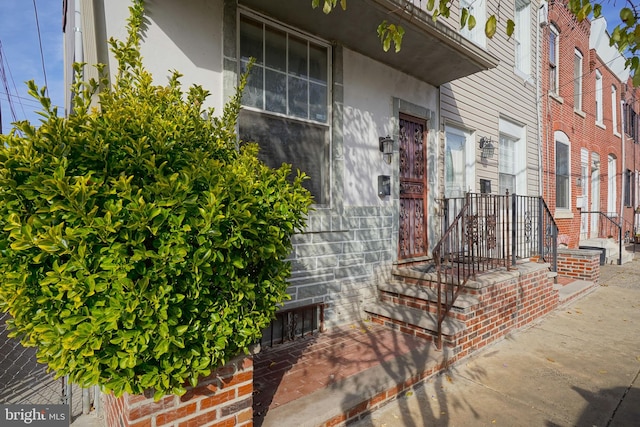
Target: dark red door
{"type": "Point", "coordinates": [413, 188]}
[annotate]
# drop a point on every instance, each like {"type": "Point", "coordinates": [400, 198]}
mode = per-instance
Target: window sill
{"type": "Point", "coordinates": [580, 113]}
{"type": "Point", "coordinates": [617, 134]}
{"type": "Point", "coordinates": [557, 97]}
{"type": "Point", "coordinates": [526, 77]}
{"type": "Point", "coordinates": [563, 214]}
{"type": "Point", "coordinates": [601, 125]}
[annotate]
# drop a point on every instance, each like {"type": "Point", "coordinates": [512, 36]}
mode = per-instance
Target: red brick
{"type": "Point", "coordinates": [150, 407]}
{"type": "Point", "coordinates": [142, 423]}
{"type": "Point", "coordinates": [180, 412]}
{"type": "Point", "coordinates": [229, 422]}
{"type": "Point", "coordinates": [218, 399]}
{"type": "Point", "coordinates": [337, 420]}
{"type": "Point", "coordinates": [244, 416]}
{"type": "Point", "coordinates": [200, 420]}
{"type": "Point", "coordinates": [358, 409]}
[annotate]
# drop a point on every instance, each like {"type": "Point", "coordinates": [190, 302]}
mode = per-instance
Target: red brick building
{"type": "Point", "coordinates": [590, 159]}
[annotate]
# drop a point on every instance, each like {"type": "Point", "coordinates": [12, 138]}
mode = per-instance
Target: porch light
{"type": "Point", "coordinates": [487, 147]}
{"type": "Point", "coordinates": [579, 182]}
{"type": "Point", "coordinates": [386, 147]}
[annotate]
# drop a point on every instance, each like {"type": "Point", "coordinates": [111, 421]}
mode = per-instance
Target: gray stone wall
{"type": "Point", "coordinates": [340, 259]}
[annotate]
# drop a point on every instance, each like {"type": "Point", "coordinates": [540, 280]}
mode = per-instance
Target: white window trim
{"type": "Point", "coordinates": [614, 109]}
{"type": "Point", "coordinates": [518, 132]}
{"type": "Point", "coordinates": [612, 196]}
{"type": "Point", "coordinates": [562, 138]}
{"type": "Point", "coordinates": [522, 37]}
{"type": "Point", "coordinates": [478, 8]}
{"type": "Point", "coordinates": [556, 89]}
{"type": "Point", "coordinates": [599, 100]}
{"type": "Point", "coordinates": [469, 153]}
{"type": "Point", "coordinates": [578, 79]}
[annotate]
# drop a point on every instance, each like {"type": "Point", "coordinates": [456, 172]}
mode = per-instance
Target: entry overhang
{"type": "Point", "coordinates": [431, 51]}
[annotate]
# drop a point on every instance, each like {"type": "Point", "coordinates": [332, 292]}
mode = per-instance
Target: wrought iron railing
{"type": "Point", "coordinates": [611, 226]}
{"type": "Point", "coordinates": [534, 230]}
{"type": "Point", "coordinates": [489, 231]}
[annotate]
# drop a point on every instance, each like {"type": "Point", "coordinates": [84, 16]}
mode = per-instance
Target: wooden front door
{"type": "Point", "coordinates": [413, 188]}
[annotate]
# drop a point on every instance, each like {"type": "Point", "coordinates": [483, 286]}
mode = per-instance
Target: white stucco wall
{"type": "Point", "coordinates": [186, 37]}
{"type": "Point", "coordinates": [369, 89]}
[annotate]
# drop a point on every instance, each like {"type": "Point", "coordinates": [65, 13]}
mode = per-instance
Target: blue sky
{"type": "Point", "coordinates": [21, 51]}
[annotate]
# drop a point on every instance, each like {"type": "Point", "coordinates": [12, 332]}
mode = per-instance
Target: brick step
{"type": "Point", "coordinates": [415, 321]}
{"type": "Point", "coordinates": [401, 289]}
{"type": "Point", "coordinates": [428, 279]}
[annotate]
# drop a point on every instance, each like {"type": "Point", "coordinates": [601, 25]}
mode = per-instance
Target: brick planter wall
{"type": "Point", "coordinates": [224, 398]}
{"type": "Point", "coordinates": [579, 264]}
{"type": "Point", "coordinates": [511, 301]}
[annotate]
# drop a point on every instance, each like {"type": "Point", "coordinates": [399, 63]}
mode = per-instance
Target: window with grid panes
{"type": "Point", "coordinates": [507, 164]}
{"type": "Point", "coordinates": [553, 59]}
{"type": "Point", "coordinates": [286, 100]}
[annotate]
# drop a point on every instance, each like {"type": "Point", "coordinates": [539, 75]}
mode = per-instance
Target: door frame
{"type": "Point", "coordinates": [406, 193]}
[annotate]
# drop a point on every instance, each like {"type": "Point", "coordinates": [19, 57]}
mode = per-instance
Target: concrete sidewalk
{"type": "Point", "coordinates": [579, 366]}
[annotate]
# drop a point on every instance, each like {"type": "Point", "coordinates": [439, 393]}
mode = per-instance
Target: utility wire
{"type": "Point", "coordinates": [4, 84]}
{"type": "Point", "coordinates": [15, 89]}
{"type": "Point", "coordinates": [33, 101]}
{"type": "Point", "coordinates": [44, 71]}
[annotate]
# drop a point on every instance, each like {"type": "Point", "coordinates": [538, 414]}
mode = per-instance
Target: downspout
{"type": "Point", "coordinates": [78, 51]}
{"type": "Point", "coordinates": [622, 172]}
{"type": "Point", "coordinates": [539, 102]}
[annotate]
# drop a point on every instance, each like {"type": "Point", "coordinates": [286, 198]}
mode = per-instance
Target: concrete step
{"type": "Point", "coordinates": [463, 302]}
{"type": "Point", "coordinates": [416, 317]}
{"type": "Point", "coordinates": [611, 247]}
{"type": "Point", "coordinates": [574, 290]}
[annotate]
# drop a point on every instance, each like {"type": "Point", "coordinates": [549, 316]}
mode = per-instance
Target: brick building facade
{"type": "Point", "coordinates": [590, 159]}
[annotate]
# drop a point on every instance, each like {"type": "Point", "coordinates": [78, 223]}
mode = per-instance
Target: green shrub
{"type": "Point", "coordinates": [141, 245]}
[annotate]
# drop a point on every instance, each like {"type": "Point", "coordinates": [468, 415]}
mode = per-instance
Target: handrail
{"type": "Point", "coordinates": [534, 230]}
{"type": "Point", "coordinates": [489, 231]}
{"type": "Point", "coordinates": [612, 226]}
{"type": "Point", "coordinates": [476, 240]}
{"type": "Point", "coordinates": [445, 266]}
{"type": "Point", "coordinates": [550, 236]}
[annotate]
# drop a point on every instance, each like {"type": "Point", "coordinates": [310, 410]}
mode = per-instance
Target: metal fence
{"type": "Point", "coordinates": [503, 228]}
{"type": "Point", "coordinates": [25, 381]}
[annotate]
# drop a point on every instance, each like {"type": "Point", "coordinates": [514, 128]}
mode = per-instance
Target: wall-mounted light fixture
{"type": "Point", "coordinates": [487, 147]}
{"type": "Point", "coordinates": [386, 147]}
{"type": "Point", "coordinates": [579, 182]}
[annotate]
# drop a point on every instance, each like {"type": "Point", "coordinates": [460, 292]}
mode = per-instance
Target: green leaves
{"type": "Point", "coordinates": [491, 26]}
{"type": "Point", "coordinates": [142, 248]}
{"type": "Point", "coordinates": [511, 26]}
{"type": "Point", "coordinates": [390, 33]}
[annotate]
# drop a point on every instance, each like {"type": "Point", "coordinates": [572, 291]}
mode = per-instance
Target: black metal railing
{"type": "Point", "coordinates": [611, 226]}
{"type": "Point", "coordinates": [489, 231]}
{"type": "Point", "coordinates": [534, 230]}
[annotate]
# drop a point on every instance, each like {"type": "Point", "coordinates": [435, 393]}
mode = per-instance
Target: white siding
{"type": "Point", "coordinates": [479, 101]}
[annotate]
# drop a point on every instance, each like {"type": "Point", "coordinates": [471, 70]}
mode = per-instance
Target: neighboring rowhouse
{"type": "Point", "coordinates": [323, 96]}
{"type": "Point", "coordinates": [490, 120]}
{"type": "Point", "coordinates": [589, 159]}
